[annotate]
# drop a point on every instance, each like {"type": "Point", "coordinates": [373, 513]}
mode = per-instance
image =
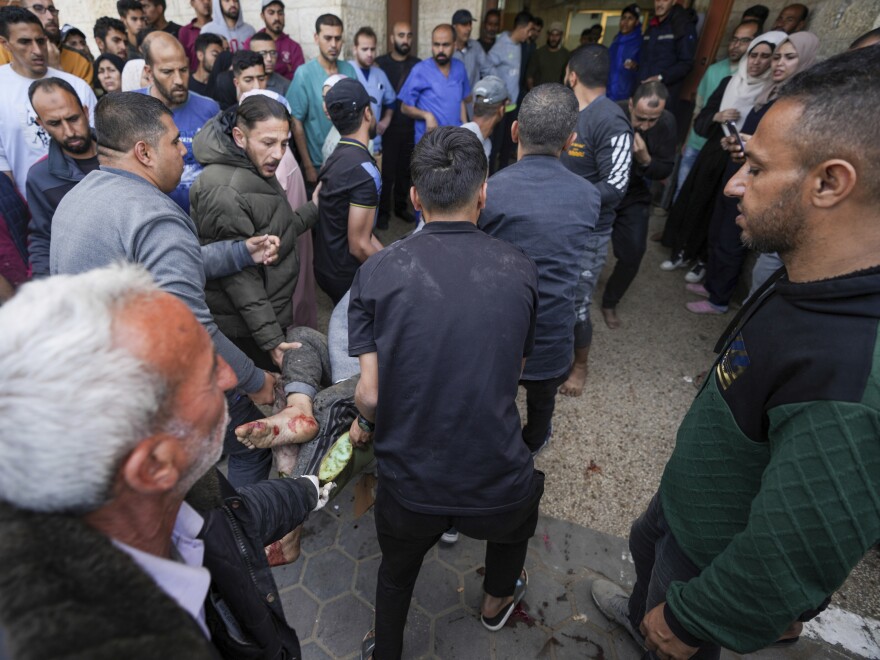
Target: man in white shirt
{"type": "Point", "coordinates": [490, 99]}
{"type": "Point", "coordinates": [22, 141]}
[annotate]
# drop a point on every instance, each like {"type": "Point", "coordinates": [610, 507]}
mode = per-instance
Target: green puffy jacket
{"type": "Point", "coordinates": [230, 200]}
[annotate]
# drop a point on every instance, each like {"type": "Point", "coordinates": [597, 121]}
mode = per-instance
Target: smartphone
{"type": "Point", "coordinates": [732, 131]}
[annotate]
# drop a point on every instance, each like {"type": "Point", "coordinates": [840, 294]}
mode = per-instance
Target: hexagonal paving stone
{"type": "Point", "coordinates": [437, 588]}
{"type": "Point", "coordinates": [314, 652]}
{"type": "Point", "coordinates": [328, 574]}
{"type": "Point", "coordinates": [461, 636]}
{"type": "Point", "coordinates": [358, 538]}
{"type": "Point", "coordinates": [580, 640]}
{"type": "Point", "coordinates": [549, 602]}
{"type": "Point", "coordinates": [289, 574]}
{"type": "Point", "coordinates": [465, 555]}
{"type": "Point", "coordinates": [319, 532]}
{"type": "Point", "coordinates": [417, 635]}
{"type": "Point", "coordinates": [473, 589]}
{"type": "Point", "coordinates": [518, 640]}
{"type": "Point", "coordinates": [342, 625]}
{"type": "Point", "coordinates": [365, 580]}
{"type": "Point", "coordinates": [300, 610]}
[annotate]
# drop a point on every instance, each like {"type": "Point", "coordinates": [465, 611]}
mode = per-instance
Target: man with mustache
{"type": "Point", "coordinates": [72, 154]}
{"type": "Point", "coordinates": [398, 139]}
{"type": "Point", "coordinates": [229, 24]}
{"type": "Point", "coordinates": [168, 68]}
{"type": "Point", "coordinates": [435, 92]}
{"type": "Point", "coordinates": [289, 54]}
{"type": "Point", "coordinates": [310, 124]}
{"type": "Point", "coordinates": [22, 140]}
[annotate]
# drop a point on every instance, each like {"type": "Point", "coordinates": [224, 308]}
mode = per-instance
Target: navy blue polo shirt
{"type": "Point", "coordinates": [450, 312]}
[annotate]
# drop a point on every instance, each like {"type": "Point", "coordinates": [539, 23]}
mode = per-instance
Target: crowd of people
{"type": "Point", "coordinates": [169, 210]}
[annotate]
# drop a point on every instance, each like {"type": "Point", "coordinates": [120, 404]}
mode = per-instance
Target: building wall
{"type": "Point", "coordinates": [435, 12]}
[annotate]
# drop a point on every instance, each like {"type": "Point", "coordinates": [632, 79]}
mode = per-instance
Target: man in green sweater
{"type": "Point", "coordinates": [772, 493]}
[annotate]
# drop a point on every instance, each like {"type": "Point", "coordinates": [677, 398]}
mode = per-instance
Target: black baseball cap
{"type": "Point", "coordinates": [346, 98]}
{"type": "Point", "coordinates": [462, 17]}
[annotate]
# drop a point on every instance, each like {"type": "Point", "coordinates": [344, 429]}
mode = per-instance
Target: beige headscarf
{"type": "Point", "coordinates": [807, 46]}
{"type": "Point", "coordinates": [743, 89]}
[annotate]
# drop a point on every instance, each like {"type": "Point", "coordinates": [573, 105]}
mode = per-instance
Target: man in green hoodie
{"type": "Point", "coordinates": [772, 493]}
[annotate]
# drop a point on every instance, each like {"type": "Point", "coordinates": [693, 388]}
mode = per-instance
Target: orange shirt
{"type": "Point", "coordinates": [71, 62]}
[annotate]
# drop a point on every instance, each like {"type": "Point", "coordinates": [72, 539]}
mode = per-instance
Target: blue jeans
{"type": "Point", "coordinates": [767, 264]}
{"type": "Point", "coordinates": [659, 562]}
{"type": "Point", "coordinates": [688, 158]}
{"type": "Point", "coordinates": [245, 466]}
{"type": "Point", "coordinates": [592, 263]}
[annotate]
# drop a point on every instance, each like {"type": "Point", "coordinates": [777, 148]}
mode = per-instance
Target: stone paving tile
{"type": "Point", "coordinates": [417, 636]}
{"type": "Point", "coordinates": [358, 537]}
{"type": "Point", "coordinates": [342, 624]}
{"type": "Point", "coordinates": [288, 575]}
{"type": "Point", "coordinates": [549, 603]}
{"type": "Point", "coordinates": [585, 607]}
{"type": "Point", "coordinates": [467, 554]}
{"type": "Point", "coordinates": [319, 532]}
{"type": "Point", "coordinates": [437, 588]}
{"type": "Point", "coordinates": [460, 635]}
{"type": "Point", "coordinates": [365, 581]}
{"type": "Point", "coordinates": [580, 640]}
{"type": "Point", "coordinates": [301, 611]}
{"type": "Point", "coordinates": [519, 640]}
{"type": "Point", "coordinates": [328, 574]}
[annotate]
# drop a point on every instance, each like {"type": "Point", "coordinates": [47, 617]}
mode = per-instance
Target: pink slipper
{"type": "Point", "coordinates": [698, 289]}
{"type": "Point", "coordinates": [705, 307]}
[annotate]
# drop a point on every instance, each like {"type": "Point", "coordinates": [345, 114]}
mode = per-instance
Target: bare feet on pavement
{"type": "Point", "coordinates": [577, 378]}
{"type": "Point", "coordinates": [295, 424]}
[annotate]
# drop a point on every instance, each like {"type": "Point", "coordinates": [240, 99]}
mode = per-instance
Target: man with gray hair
{"type": "Point", "coordinates": [554, 235]}
{"type": "Point", "coordinates": [118, 483]}
{"type": "Point", "coordinates": [141, 158]}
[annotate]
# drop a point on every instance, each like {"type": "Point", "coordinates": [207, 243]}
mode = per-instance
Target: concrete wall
{"type": "Point", "coordinates": [300, 16]}
{"type": "Point", "coordinates": [435, 12]}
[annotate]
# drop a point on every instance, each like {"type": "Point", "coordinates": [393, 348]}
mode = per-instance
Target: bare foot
{"type": "Point", "coordinates": [577, 378]}
{"type": "Point", "coordinates": [293, 425]}
{"type": "Point", "coordinates": [286, 549]}
{"type": "Point", "coordinates": [612, 320]}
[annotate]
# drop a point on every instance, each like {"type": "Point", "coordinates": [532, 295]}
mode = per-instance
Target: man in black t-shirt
{"type": "Point", "coordinates": [350, 189]}
{"type": "Point", "coordinates": [397, 142]}
{"type": "Point", "coordinates": [72, 154]}
{"type": "Point", "coordinates": [438, 387]}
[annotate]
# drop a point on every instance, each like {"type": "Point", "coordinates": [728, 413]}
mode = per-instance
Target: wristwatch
{"type": "Point", "coordinates": [366, 425]}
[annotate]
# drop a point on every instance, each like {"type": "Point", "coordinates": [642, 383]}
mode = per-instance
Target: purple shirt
{"type": "Point", "coordinates": [290, 55]}
{"type": "Point", "coordinates": [427, 88]}
{"type": "Point", "coordinates": [187, 36]}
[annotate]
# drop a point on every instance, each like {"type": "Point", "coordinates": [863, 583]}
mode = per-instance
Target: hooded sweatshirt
{"type": "Point", "coordinates": [230, 200]}
{"type": "Point", "coordinates": [773, 488]}
{"type": "Point", "coordinates": [236, 36]}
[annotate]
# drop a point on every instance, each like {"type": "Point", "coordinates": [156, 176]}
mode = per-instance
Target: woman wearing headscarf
{"type": "Point", "coordinates": [726, 251]}
{"type": "Point", "coordinates": [108, 74]}
{"type": "Point", "coordinates": [133, 75]}
{"type": "Point", "coordinates": [624, 55]}
{"type": "Point", "coordinates": [688, 223]}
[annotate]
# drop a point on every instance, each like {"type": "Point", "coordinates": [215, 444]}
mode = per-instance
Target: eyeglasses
{"type": "Point", "coordinates": [42, 9]}
{"type": "Point", "coordinates": [269, 53]}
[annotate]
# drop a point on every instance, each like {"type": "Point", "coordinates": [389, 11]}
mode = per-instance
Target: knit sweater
{"type": "Point", "coordinates": [773, 489]}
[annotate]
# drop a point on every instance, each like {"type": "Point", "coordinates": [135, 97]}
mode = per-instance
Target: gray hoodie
{"type": "Point", "coordinates": [235, 36]}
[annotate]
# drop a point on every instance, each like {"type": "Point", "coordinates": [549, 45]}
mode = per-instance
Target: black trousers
{"type": "Point", "coordinates": [397, 148]}
{"type": "Point", "coordinates": [540, 404]}
{"type": "Point", "coordinates": [727, 254]}
{"type": "Point", "coordinates": [629, 240]}
{"type": "Point", "coordinates": [405, 536]}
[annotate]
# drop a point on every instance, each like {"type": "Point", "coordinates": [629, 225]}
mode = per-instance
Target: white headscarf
{"type": "Point", "coordinates": [131, 75]}
{"type": "Point", "coordinates": [743, 90]}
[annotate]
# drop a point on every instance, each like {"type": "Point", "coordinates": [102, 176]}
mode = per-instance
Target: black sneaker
{"type": "Point", "coordinates": [497, 622]}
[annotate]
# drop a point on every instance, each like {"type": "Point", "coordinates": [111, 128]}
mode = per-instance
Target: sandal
{"type": "Point", "coordinates": [497, 622]}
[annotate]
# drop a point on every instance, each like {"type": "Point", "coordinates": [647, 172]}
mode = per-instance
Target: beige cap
{"type": "Point", "coordinates": [556, 27]}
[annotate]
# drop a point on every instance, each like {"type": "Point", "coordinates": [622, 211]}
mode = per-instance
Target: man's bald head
{"type": "Point", "coordinates": [792, 18]}
{"type": "Point", "coordinates": [160, 45]}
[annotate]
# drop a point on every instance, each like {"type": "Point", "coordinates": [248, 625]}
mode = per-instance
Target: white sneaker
{"type": "Point", "coordinates": [450, 536]}
{"type": "Point", "coordinates": [677, 261]}
{"type": "Point", "coordinates": [613, 602]}
{"type": "Point", "coordinates": [697, 273]}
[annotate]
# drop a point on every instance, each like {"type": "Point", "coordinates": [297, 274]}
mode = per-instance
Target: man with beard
{"type": "Point", "coordinates": [128, 483]}
{"type": "Point", "coordinates": [166, 64]}
{"type": "Point", "coordinates": [154, 11]}
{"type": "Point", "coordinates": [398, 138]}
{"type": "Point", "coordinates": [60, 57]}
{"type": "Point", "coordinates": [208, 47]}
{"type": "Point", "coordinates": [468, 51]}
{"type": "Point", "coordinates": [305, 95]}
{"type": "Point", "coordinates": [772, 493]}
{"type": "Point", "coordinates": [668, 48]}
{"type": "Point", "coordinates": [22, 140]}
{"type": "Point", "coordinates": [188, 33]}
{"type": "Point", "coordinates": [375, 82]}
{"type": "Point", "coordinates": [72, 155]}
{"type": "Point", "coordinates": [792, 18]}
{"type": "Point", "coordinates": [435, 92]}
{"type": "Point", "coordinates": [109, 34]}
{"type": "Point", "coordinates": [349, 196]}
{"type": "Point", "coordinates": [289, 54]}
{"type": "Point", "coordinates": [490, 29]}
{"type": "Point", "coordinates": [237, 197]}
{"type": "Point", "coordinates": [229, 24]}
{"type": "Point", "coordinates": [547, 64]}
